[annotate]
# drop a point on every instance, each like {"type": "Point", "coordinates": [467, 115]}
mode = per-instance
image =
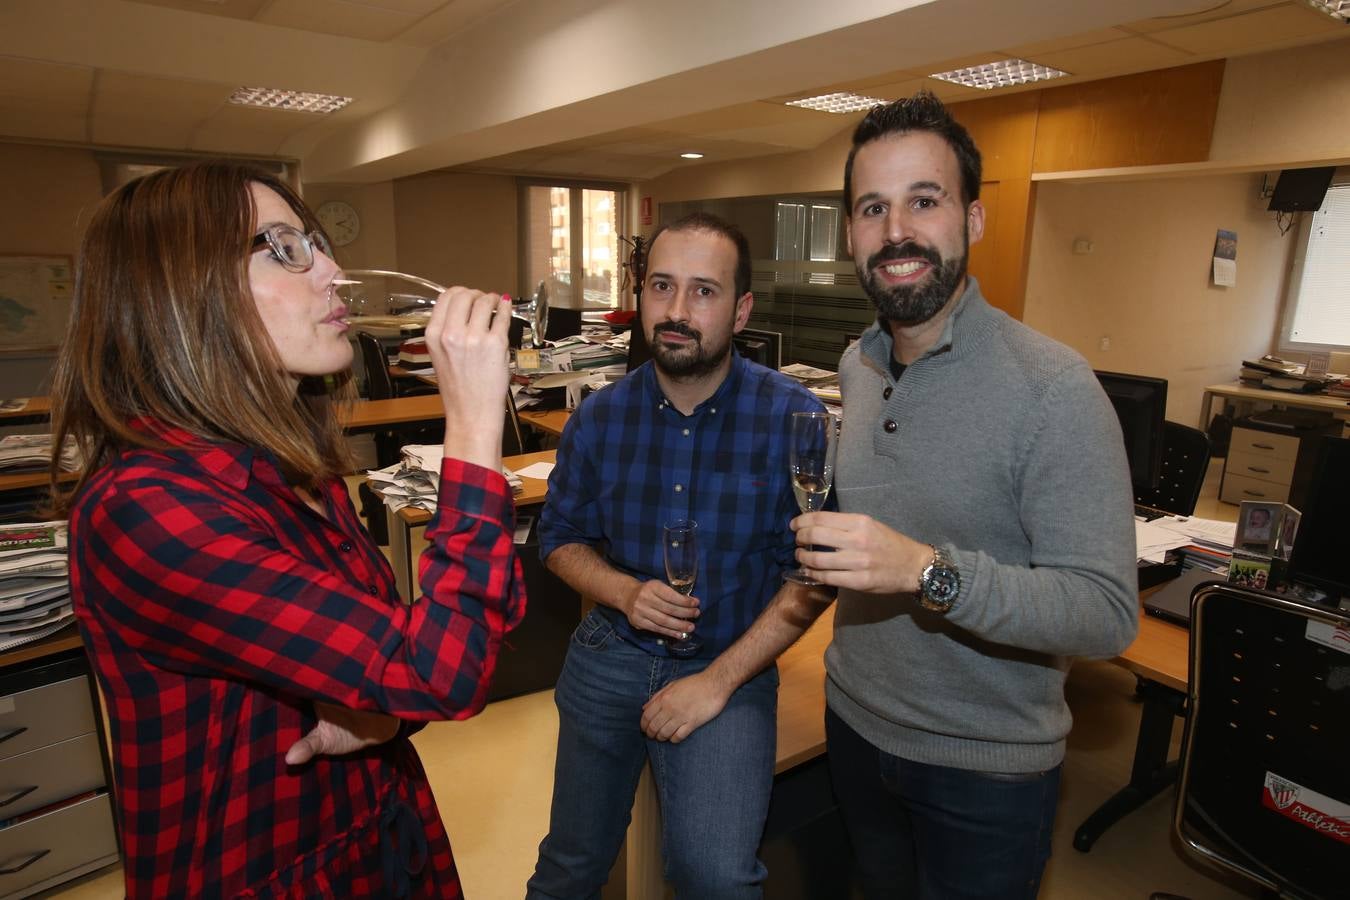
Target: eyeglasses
{"type": "Point", "coordinates": [292, 247]}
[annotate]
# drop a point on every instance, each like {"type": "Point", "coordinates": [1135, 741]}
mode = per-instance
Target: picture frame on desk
{"type": "Point", "coordinates": [1259, 527]}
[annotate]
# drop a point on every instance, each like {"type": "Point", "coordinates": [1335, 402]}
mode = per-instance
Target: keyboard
{"type": "Point", "coordinates": [1149, 513]}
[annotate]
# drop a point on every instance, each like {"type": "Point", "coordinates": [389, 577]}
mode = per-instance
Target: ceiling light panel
{"type": "Point", "coordinates": [1003, 73]}
{"type": "Point", "coordinates": [838, 102]}
{"type": "Point", "coordinates": [294, 101]}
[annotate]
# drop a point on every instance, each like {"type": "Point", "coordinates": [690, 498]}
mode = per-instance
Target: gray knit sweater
{"type": "Point", "coordinates": [1006, 452]}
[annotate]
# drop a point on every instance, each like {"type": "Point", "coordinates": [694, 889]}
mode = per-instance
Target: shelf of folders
{"type": "Point", "coordinates": [34, 582]}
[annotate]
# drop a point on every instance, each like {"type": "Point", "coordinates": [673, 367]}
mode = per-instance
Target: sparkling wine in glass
{"type": "Point", "coordinates": [680, 546]}
{"type": "Point", "coordinates": [811, 449]}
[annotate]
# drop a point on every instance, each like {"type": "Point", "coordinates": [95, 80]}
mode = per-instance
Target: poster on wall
{"type": "Point", "coordinates": [35, 297]}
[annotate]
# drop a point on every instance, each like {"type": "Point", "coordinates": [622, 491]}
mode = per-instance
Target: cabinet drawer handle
{"type": "Point", "coordinates": [1252, 493]}
{"type": "Point", "coordinates": [1263, 446]}
{"type": "Point", "coordinates": [17, 794]}
{"type": "Point", "coordinates": [13, 732]}
{"type": "Point", "coordinates": [1258, 469]}
{"type": "Point", "coordinates": [10, 870]}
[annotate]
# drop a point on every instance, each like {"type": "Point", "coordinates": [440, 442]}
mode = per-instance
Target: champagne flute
{"type": "Point", "coordinates": [680, 547]}
{"type": "Point", "coordinates": [811, 449]}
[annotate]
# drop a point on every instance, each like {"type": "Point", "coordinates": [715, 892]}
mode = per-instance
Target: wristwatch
{"type": "Point", "coordinates": [939, 583]}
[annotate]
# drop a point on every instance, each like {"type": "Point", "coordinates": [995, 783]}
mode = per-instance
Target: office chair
{"type": "Point", "coordinates": [379, 386]}
{"type": "Point", "coordinates": [1264, 753]}
{"type": "Point", "coordinates": [1185, 459]}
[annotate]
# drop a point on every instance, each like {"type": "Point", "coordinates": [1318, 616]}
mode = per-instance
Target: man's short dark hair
{"type": "Point", "coordinates": [707, 222]}
{"type": "Point", "coordinates": [922, 112]}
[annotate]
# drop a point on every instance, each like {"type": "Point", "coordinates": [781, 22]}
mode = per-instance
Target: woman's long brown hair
{"type": "Point", "coordinates": [164, 326]}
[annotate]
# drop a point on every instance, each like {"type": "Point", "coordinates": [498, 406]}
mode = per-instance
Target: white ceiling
{"type": "Point", "coordinates": [611, 89]}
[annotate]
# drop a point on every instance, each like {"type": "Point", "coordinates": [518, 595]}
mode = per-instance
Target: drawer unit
{"type": "Point", "coordinates": [56, 819]}
{"type": "Point", "coordinates": [44, 714]}
{"type": "Point", "coordinates": [45, 850]}
{"type": "Point", "coordinates": [1270, 463]}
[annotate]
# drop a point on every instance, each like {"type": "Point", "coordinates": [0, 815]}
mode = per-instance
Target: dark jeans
{"type": "Point", "coordinates": [925, 832]}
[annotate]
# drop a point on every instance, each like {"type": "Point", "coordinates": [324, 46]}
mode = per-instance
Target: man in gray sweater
{"type": "Point", "coordinates": [985, 538]}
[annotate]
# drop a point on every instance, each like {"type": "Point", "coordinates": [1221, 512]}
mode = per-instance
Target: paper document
{"type": "Point", "coordinates": [540, 470]}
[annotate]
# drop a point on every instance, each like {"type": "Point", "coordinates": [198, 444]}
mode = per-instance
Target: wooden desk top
{"type": "Point", "coordinates": [374, 413]}
{"type": "Point", "coordinates": [801, 696]}
{"type": "Point", "coordinates": [67, 638]}
{"type": "Point", "coordinates": [549, 421]}
{"type": "Point", "coordinates": [534, 489]}
{"type": "Point", "coordinates": [1238, 390]}
{"type": "Point", "coordinates": [36, 410]}
{"type": "Point", "coordinates": [1160, 653]}
{"type": "Point", "coordinates": [14, 481]}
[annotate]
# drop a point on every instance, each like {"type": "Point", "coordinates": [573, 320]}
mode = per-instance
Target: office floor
{"type": "Point", "coordinates": [492, 777]}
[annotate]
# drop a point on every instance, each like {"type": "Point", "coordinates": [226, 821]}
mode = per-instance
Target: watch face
{"type": "Point", "coordinates": [340, 221]}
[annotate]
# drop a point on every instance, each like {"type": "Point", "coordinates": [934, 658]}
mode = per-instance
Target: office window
{"type": "Point", "coordinates": [569, 241]}
{"type": "Point", "coordinates": [1317, 315]}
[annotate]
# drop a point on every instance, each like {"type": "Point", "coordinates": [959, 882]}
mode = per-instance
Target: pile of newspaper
{"type": "Point", "coordinates": [19, 452]}
{"type": "Point", "coordinates": [415, 480]}
{"type": "Point", "coordinates": [34, 582]}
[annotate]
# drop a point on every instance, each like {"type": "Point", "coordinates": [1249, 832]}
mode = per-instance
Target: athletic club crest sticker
{"type": "Point", "coordinates": [1326, 816]}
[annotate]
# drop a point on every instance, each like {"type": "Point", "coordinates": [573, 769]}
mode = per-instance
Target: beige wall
{"type": "Point", "coordinates": [46, 197]}
{"type": "Point", "coordinates": [375, 246]}
{"type": "Point", "coordinates": [1146, 288]}
{"type": "Point", "coordinates": [458, 229]}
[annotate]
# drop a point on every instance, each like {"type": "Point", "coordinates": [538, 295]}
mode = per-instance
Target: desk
{"type": "Point", "coordinates": [1160, 656]}
{"type": "Point", "coordinates": [401, 523]}
{"type": "Point", "coordinates": [1237, 391]}
{"type": "Point", "coordinates": [38, 409]}
{"type": "Point", "coordinates": [367, 415]}
{"type": "Point", "coordinates": [549, 421]}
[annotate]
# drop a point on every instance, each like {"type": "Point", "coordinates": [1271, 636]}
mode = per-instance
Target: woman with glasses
{"type": "Point", "coordinates": [261, 674]}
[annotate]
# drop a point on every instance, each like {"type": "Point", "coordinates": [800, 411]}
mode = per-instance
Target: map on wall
{"type": "Point", "coordinates": [35, 296]}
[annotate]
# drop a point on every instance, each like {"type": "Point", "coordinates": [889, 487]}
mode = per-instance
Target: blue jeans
{"type": "Point", "coordinates": [713, 787]}
{"type": "Point", "coordinates": [937, 833]}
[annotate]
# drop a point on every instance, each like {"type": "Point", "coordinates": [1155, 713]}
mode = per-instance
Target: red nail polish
{"type": "Point", "coordinates": [506, 297]}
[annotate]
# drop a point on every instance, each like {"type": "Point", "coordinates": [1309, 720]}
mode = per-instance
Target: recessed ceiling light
{"type": "Point", "coordinates": [295, 101]}
{"type": "Point", "coordinates": [1004, 73]}
{"type": "Point", "coordinates": [691, 155]}
{"type": "Point", "coordinates": [1337, 9]}
{"type": "Point", "coordinates": [838, 102]}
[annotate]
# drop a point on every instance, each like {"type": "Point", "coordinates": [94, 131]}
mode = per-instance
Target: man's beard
{"type": "Point", "coordinates": [690, 360]}
{"type": "Point", "coordinates": [917, 303]}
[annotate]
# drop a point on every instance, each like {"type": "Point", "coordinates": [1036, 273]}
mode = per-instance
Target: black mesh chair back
{"type": "Point", "coordinates": [1185, 459]}
{"type": "Point", "coordinates": [379, 386]}
{"type": "Point", "coordinates": [1264, 758]}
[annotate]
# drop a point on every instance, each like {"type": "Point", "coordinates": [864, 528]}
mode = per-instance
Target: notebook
{"type": "Point", "coordinates": [1173, 601]}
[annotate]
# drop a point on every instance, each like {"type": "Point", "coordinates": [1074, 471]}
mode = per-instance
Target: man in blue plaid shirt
{"type": "Point", "coordinates": [696, 433]}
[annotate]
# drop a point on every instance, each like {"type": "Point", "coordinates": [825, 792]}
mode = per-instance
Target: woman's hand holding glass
{"type": "Point", "coordinates": [467, 340]}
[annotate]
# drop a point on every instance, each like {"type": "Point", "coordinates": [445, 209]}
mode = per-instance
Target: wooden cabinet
{"type": "Point", "coordinates": [54, 776]}
{"type": "Point", "coordinates": [1271, 464]}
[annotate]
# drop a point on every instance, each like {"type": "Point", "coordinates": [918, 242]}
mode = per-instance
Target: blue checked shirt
{"type": "Point", "coordinates": [629, 462]}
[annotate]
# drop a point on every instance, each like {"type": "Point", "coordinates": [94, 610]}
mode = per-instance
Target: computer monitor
{"type": "Point", "coordinates": [1141, 405]}
{"type": "Point", "coordinates": [763, 347]}
{"type": "Point", "coordinates": [1319, 558]}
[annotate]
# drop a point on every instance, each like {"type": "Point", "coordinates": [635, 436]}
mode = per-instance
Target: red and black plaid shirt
{"type": "Point", "coordinates": [217, 606]}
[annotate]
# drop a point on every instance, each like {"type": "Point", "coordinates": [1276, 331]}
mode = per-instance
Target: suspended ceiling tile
{"type": "Point", "coordinates": [1133, 54]}
{"type": "Point", "coordinates": [241, 129]}
{"type": "Point", "coordinates": [230, 9]}
{"type": "Point", "coordinates": [164, 99]}
{"type": "Point", "coordinates": [1073, 41]}
{"type": "Point", "coordinates": [1216, 9]}
{"type": "Point", "coordinates": [61, 87]}
{"type": "Point", "coordinates": [410, 7]}
{"type": "Point", "coordinates": [355, 20]}
{"type": "Point", "coordinates": [142, 131]}
{"type": "Point", "coordinates": [22, 119]}
{"type": "Point", "coordinates": [447, 20]}
{"type": "Point", "coordinates": [1238, 34]}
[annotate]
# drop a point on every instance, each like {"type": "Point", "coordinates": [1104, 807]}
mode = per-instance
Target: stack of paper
{"type": "Point", "coordinates": [1200, 543]}
{"type": "Point", "coordinates": [34, 451]}
{"type": "Point", "coordinates": [415, 481]}
{"type": "Point", "coordinates": [34, 582]}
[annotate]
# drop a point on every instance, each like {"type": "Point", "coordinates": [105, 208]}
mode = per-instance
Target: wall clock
{"type": "Point", "coordinates": [340, 221]}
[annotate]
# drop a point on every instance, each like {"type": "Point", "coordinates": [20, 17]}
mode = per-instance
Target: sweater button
{"type": "Point", "coordinates": [890, 426]}
{"type": "Point", "coordinates": [886, 394]}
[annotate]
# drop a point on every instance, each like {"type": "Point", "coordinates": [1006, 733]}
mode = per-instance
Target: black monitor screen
{"type": "Point", "coordinates": [1320, 557]}
{"type": "Point", "coordinates": [1141, 405]}
{"type": "Point", "coordinates": [1301, 190]}
{"type": "Point", "coordinates": [763, 347]}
